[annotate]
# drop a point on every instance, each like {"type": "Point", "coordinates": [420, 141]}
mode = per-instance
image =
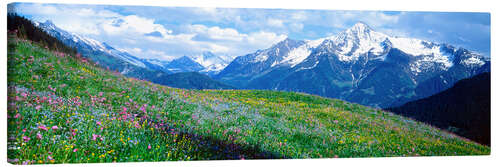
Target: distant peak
{"type": "Point", "coordinates": [360, 27]}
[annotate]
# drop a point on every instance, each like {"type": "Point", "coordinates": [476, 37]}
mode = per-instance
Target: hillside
{"type": "Point", "coordinates": [65, 110]}
{"type": "Point", "coordinates": [191, 80]}
{"type": "Point", "coordinates": [464, 109]}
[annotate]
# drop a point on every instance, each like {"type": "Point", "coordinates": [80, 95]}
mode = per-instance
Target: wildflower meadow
{"type": "Point", "coordinates": [63, 108]}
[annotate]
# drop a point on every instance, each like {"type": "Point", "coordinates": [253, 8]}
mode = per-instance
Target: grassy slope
{"type": "Point", "coordinates": [106, 117]}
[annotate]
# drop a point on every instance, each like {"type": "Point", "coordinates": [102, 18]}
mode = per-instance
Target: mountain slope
{"type": "Point", "coordinates": [149, 69]}
{"type": "Point", "coordinates": [464, 109]}
{"type": "Point", "coordinates": [358, 65]}
{"type": "Point", "coordinates": [62, 110]}
{"type": "Point", "coordinates": [103, 54]}
{"type": "Point", "coordinates": [192, 80]}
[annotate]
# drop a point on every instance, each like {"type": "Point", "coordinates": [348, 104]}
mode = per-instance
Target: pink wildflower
{"type": "Point", "coordinates": [98, 123]}
{"type": "Point", "coordinates": [55, 127]}
{"type": "Point", "coordinates": [137, 125]}
{"type": "Point", "coordinates": [124, 109]}
{"type": "Point", "coordinates": [42, 127]}
{"type": "Point", "coordinates": [17, 115]}
{"type": "Point", "coordinates": [39, 136]}
{"type": "Point", "coordinates": [38, 107]}
{"type": "Point", "coordinates": [100, 93]}
{"type": "Point", "coordinates": [94, 136]}
{"type": "Point", "coordinates": [26, 138]}
{"type": "Point", "coordinates": [149, 147]}
{"type": "Point", "coordinates": [75, 150]}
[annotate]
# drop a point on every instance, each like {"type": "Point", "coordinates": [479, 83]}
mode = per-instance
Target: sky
{"type": "Point", "coordinates": [170, 32]}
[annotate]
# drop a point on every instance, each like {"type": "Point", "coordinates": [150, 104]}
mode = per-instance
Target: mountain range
{"type": "Point", "coordinates": [358, 65]}
{"type": "Point", "coordinates": [154, 70]}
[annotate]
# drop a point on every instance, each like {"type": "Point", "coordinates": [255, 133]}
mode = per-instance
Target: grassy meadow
{"type": "Point", "coordinates": [65, 109]}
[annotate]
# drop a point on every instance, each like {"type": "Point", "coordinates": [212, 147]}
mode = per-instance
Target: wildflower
{"type": "Point", "coordinates": [50, 158]}
{"type": "Point", "coordinates": [75, 150]}
{"type": "Point", "coordinates": [17, 115]}
{"type": "Point", "coordinates": [100, 93]}
{"type": "Point", "coordinates": [98, 123]}
{"type": "Point", "coordinates": [55, 127]}
{"type": "Point", "coordinates": [26, 138]}
{"type": "Point", "coordinates": [38, 107]}
{"type": "Point", "coordinates": [42, 127]}
{"type": "Point", "coordinates": [149, 147]}
{"type": "Point", "coordinates": [136, 124]}
{"type": "Point", "coordinates": [94, 136]}
{"type": "Point", "coordinates": [39, 136]}
{"type": "Point", "coordinates": [124, 109]}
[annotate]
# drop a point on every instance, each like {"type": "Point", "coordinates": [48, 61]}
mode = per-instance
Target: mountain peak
{"type": "Point", "coordinates": [359, 28]}
{"type": "Point", "coordinates": [361, 25]}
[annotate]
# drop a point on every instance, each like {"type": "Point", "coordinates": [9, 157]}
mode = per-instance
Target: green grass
{"type": "Point", "coordinates": [106, 117]}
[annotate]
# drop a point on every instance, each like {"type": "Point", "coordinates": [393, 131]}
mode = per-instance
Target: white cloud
{"type": "Point", "coordinates": [275, 23]}
{"type": "Point", "coordinates": [300, 16]}
{"type": "Point", "coordinates": [297, 27]}
{"type": "Point", "coordinates": [132, 24]}
{"type": "Point", "coordinates": [265, 39]}
{"type": "Point", "coordinates": [217, 33]}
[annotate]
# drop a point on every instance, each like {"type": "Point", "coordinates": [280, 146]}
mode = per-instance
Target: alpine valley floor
{"type": "Point", "coordinates": [63, 109]}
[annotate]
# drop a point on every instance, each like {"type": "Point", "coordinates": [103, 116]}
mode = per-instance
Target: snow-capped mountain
{"type": "Point", "coordinates": [206, 63]}
{"type": "Point", "coordinates": [358, 65]}
{"type": "Point", "coordinates": [105, 55]}
{"type": "Point", "coordinates": [242, 69]}
{"type": "Point", "coordinates": [183, 64]}
{"type": "Point", "coordinates": [211, 63]}
{"type": "Point", "coordinates": [88, 44]}
{"type": "Point", "coordinates": [154, 70]}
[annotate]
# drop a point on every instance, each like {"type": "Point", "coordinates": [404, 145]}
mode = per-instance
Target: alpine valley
{"type": "Point", "coordinates": [358, 65]}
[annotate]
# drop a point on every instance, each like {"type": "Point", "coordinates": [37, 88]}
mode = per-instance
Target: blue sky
{"type": "Point", "coordinates": [170, 32]}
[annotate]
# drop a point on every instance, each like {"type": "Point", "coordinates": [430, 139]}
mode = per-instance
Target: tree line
{"type": "Point", "coordinates": [26, 29]}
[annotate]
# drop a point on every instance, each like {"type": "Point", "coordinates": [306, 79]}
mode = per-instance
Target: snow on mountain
{"type": "Point", "coordinates": [88, 43]}
{"type": "Point", "coordinates": [300, 53]}
{"type": "Point", "coordinates": [211, 62]}
{"type": "Point", "coordinates": [360, 40]}
{"type": "Point", "coordinates": [473, 60]}
{"type": "Point", "coordinates": [261, 57]}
